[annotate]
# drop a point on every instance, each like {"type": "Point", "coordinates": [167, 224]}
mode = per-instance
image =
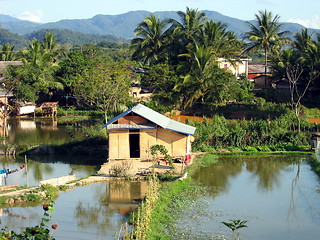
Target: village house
{"type": "Point", "coordinates": [257, 75]}
{"type": "Point", "coordinates": [132, 133]}
{"type": "Point", "coordinates": [237, 67]}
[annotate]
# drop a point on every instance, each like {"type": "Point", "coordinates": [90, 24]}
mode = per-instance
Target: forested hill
{"type": "Point", "coordinates": [120, 26]}
{"type": "Point", "coordinates": [63, 36]}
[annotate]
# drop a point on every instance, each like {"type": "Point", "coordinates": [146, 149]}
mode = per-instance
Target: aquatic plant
{"type": "Point", "coordinates": [234, 225]}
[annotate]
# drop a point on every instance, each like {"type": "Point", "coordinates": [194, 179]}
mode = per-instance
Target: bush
{"type": "Point", "coordinates": [234, 149]}
{"type": "Point", "coordinates": [249, 149]}
{"type": "Point", "coordinates": [263, 148]}
{"type": "Point", "coordinates": [120, 169]}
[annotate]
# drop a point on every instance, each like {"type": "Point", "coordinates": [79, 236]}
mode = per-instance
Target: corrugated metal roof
{"type": "Point", "coordinates": [131, 126]}
{"type": "Point", "coordinates": [156, 118]}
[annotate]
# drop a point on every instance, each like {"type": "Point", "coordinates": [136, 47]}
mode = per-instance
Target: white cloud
{"type": "Point", "coordinates": [313, 22]}
{"type": "Point", "coordinates": [31, 16]}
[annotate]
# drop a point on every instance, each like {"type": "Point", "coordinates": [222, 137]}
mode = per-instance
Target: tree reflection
{"type": "Point", "coordinates": [217, 175]}
{"type": "Point", "coordinates": [39, 170]}
{"type": "Point", "coordinates": [266, 169]}
{"type": "Point", "coordinates": [98, 215]}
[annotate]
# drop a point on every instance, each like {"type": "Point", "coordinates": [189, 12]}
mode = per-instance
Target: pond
{"type": "Point", "coordinates": [36, 131]}
{"type": "Point", "coordinates": [278, 196]}
{"type": "Point", "coordinates": [95, 211]}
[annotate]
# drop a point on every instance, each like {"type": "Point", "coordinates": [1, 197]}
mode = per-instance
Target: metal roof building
{"type": "Point", "coordinates": [133, 132]}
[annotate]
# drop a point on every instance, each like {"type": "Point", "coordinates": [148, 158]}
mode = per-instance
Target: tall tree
{"type": "Point", "coordinates": [106, 85]}
{"type": "Point", "coordinates": [223, 43]}
{"type": "Point", "coordinates": [151, 38]}
{"type": "Point", "coordinates": [189, 28]}
{"type": "Point", "coordinates": [265, 34]}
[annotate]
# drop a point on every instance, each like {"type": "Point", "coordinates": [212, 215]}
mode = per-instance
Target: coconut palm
{"type": "Point", "coordinates": [198, 81]}
{"type": "Point", "coordinates": [303, 40]}
{"type": "Point", "coordinates": [189, 28]}
{"type": "Point", "coordinates": [7, 53]}
{"type": "Point", "coordinates": [265, 34]}
{"type": "Point", "coordinates": [151, 39]}
{"type": "Point", "coordinates": [223, 43]}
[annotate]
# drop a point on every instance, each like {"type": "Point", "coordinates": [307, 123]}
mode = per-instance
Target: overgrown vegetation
{"type": "Point", "coordinates": [248, 135]}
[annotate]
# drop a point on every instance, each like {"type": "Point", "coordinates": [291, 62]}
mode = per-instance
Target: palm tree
{"type": "Point", "coordinates": [7, 53]}
{"type": "Point", "coordinates": [190, 27]}
{"type": "Point", "coordinates": [223, 43]}
{"type": "Point", "coordinates": [151, 39]}
{"type": "Point", "coordinates": [265, 34]}
{"type": "Point", "coordinates": [198, 81]}
{"type": "Point", "coordinates": [302, 41]}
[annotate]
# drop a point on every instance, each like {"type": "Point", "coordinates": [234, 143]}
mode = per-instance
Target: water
{"type": "Point", "coordinates": [95, 211]}
{"type": "Point", "coordinates": [278, 196]}
{"type": "Point", "coordinates": [30, 131]}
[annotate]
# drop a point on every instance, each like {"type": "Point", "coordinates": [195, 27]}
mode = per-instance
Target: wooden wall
{"type": "Point", "coordinates": [175, 143]}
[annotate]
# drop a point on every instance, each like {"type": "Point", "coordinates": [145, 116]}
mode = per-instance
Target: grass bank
{"type": "Point", "coordinates": [156, 217]}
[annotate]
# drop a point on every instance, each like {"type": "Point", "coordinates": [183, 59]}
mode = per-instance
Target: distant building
{"type": "Point", "coordinates": [257, 75]}
{"type": "Point", "coordinates": [237, 67]}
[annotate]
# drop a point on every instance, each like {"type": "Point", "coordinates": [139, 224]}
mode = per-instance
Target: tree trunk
{"type": "Point", "coordinates": [265, 65]}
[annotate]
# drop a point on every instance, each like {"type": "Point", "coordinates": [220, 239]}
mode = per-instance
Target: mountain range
{"type": "Point", "coordinates": [123, 25]}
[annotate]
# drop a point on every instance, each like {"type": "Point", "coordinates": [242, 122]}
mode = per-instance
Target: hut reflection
{"type": "Point", "coordinates": [125, 196]}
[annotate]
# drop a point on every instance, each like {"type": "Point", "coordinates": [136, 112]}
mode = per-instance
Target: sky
{"type": "Point", "coordinates": [305, 12]}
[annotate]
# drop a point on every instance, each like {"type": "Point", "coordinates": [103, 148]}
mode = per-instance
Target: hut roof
{"type": "Point", "coordinates": [155, 118]}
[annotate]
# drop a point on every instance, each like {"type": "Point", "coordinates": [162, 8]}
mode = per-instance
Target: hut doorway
{"type": "Point", "coordinates": [134, 141]}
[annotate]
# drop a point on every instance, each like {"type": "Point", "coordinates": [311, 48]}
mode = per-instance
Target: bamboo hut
{"type": "Point", "coordinates": [132, 133]}
{"type": "Point", "coordinates": [49, 109]}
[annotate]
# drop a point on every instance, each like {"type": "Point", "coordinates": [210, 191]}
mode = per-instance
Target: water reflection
{"type": "Point", "coordinates": [277, 195]}
{"type": "Point", "coordinates": [32, 131]}
{"type": "Point", "coordinates": [266, 169]}
{"type": "Point", "coordinates": [40, 168]}
{"type": "Point", "coordinates": [95, 211]}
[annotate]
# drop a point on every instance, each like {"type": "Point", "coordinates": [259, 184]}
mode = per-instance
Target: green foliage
{"type": "Point", "coordinates": [160, 80]}
{"type": "Point", "coordinates": [234, 224]}
{"type": "Point", "coordinates": [278, 134]}
{"type": "Point", "coordinates": [263, 148]}
{"type": "Point", "coordinates": [250, 149]}
{"type": "Point", "coordinates": [106, 85]}
{"type": "Point", "coordinates": [162, 150]}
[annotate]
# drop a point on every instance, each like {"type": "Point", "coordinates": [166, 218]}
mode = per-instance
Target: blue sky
{"type": "Point", "coordinates": [305, 12]}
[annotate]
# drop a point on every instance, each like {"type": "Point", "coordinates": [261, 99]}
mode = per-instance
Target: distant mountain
{"type": "Point", "coordinates": [64, 36]}
{"type": "Point", "coordinates": [123, 25]}
{"type": "Point", "coordinates": [14, 39]}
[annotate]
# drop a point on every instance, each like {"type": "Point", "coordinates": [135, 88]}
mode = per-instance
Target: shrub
{"type": "Point", "coordinates": [263, 148]}
{"type": "Point", "coordinates": [234, 149]}
{"type": "Point", "coordinates": [120, 169]}
{"type": "Point", "coordinates": [249, 149]}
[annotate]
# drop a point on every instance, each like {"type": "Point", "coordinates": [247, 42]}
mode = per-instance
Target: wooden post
{"type": "Point", "coordinates": [26, 165]}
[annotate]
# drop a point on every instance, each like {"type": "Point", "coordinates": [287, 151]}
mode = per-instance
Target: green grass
{"type": "Point", "coordinates": [174, 197]}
